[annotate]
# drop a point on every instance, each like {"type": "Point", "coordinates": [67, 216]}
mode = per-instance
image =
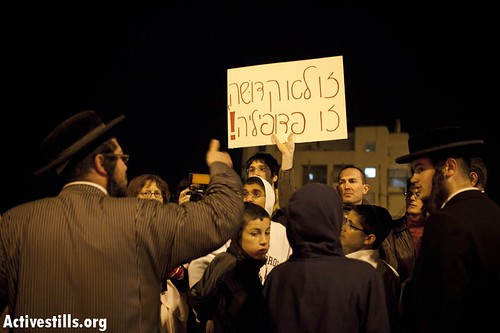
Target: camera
{"type": "Point", "coordinates": [195, 192]}
{"type": "Point", "coordinates": [198, 184]}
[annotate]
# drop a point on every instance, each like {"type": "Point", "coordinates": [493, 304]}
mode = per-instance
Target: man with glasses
{"type": "Point", "coordinates": [281, 177]}
{"type": "Point", "coordinates": [89, 255]}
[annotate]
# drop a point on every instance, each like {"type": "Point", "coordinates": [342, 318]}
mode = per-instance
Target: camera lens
{"type": "Point", "coordinates": [195, 193]}
{"type": "Point", "coordinates": [195, 197]}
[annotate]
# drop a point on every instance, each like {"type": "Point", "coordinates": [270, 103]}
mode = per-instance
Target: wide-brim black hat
{"type": "Point", "coordinates": [439, 141]}
{"type": "Point", "coordinates": [72, 136]}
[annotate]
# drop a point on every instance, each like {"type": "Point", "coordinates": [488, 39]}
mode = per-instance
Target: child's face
{"type": "Point", "coordinates": [255, 238]}
{"type": "Point", "coordinates": [352, 236]}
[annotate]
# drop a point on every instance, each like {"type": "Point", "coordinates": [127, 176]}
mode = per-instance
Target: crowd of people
{"type": "Point", "coordinates": [257, 254]}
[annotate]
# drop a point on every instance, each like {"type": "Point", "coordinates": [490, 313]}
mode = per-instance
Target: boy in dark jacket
{"type": "Point", "coordinates": [228, 298]}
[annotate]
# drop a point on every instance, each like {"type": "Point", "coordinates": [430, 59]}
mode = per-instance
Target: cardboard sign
{"type": "Point", "coordinates": [304, 97]}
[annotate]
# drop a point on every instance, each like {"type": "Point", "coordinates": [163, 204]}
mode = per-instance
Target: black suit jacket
{"type": "Point", "coordinates": [457, 275]}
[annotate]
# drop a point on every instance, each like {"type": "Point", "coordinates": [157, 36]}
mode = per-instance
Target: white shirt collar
{"type": "Point", "coordinates": [459, 191]}
{"type": "Point", "coordinates": [370, 256]}
{"type": "Point", "coordinates": [82, 182]}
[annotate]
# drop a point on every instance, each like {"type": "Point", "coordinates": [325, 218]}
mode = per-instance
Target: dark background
{"type": "Point", "coordinates": [165, 69]}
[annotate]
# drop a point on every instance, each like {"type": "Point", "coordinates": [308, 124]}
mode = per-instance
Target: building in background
{"type": "Point", "coordinates": [371, 148]}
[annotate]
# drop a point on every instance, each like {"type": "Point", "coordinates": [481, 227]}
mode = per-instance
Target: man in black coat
{"type": "Point", "coordinates": [457, 274]}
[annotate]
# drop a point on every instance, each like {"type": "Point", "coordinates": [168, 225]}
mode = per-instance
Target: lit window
{"type": "Point", "coordinates": [397, 178]}
{"type": "Point", "coordinates": [314, 174]}
{"type": "Point", "coordinates": [371, 172]}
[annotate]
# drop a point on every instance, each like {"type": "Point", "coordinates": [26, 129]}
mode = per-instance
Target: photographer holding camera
{"type": "Point", "coordinates": [193, 188]}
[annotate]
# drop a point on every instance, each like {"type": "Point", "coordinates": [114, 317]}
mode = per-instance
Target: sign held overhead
{"type": "Point", "coordinates": [305, 97]}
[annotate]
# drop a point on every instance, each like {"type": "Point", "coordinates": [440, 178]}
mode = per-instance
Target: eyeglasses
{"type": "Point", "coordinates": [262, 168]}
{"type": "Point", "coordinates": [149, 193]}
{"type": "Point", "coordinates": [254, 194]}
{"type": "Point", "coordinates": [124, 157]}
{"type": "Point", "coordinates": [408, 194]}
{"type": "Point", "coordinates": [353, 227]}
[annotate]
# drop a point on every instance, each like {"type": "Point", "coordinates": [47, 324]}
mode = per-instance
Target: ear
{"type": "Point", "coordinates": [366, 188]}
{"type": "Point", "coordinates": [450, 167]}
{"type": "Point", "coordinates": [473, 178]}
{"type": "Point", "coordinates": [369, 239]}
{"type": "Point", "coordinates": [275, 178]}
{"type": "Point", "coordinates": [99, 165]}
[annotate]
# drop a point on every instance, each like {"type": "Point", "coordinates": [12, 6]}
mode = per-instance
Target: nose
{"type": "Point", "coordinates": [259, 173]}
{"type": "Point", "coordinates": [264, 239]}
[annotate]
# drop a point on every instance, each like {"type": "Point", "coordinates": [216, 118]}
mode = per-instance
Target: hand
{"type": "Point", "coordinates": [214, 155]}
{"type": "Point", "coordinates": [183, 197]}
{"type": "Point", "coordinates": [287, 150]}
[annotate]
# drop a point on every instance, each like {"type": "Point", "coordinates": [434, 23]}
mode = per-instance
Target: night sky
{"type": "Point", "coordinates": [165, 70]}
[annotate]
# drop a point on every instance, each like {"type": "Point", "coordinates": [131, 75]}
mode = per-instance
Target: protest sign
{"type": "Point", "coordinates": [305, 97]}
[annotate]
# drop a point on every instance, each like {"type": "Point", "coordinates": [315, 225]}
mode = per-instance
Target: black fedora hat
{"type": "Point", "coordinates": [438, 141]}
{"type": "Point", "coordinates": [73, 135]}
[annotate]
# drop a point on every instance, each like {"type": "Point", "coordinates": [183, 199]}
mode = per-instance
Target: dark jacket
{"type": "Point", "coordinates": [398, 249]}
{"type": "Point", "coordinates": [230, 293]}
{"type": "Point", "coordinates": [318, 289]}
{"type": "Point", "coordinates": [457, 274]}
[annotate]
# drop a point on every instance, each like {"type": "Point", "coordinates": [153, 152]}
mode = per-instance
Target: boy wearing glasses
{"type": "Point", "coordinates": [365, 228]}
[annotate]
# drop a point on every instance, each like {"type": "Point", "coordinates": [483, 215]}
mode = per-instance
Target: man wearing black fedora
{"type": "Point", "coordinates": [457, 273]}
{"type": "Point", "coordinates": [92, 258]}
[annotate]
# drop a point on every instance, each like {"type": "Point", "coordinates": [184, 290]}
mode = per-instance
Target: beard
{"type": "Point", "coordinates": [439, 192]}
{"type": "Point", "coordinates": [115, 188]}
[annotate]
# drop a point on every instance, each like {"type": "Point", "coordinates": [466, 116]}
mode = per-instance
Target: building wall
{"type": "Point", "coordinates": [353, 151]}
